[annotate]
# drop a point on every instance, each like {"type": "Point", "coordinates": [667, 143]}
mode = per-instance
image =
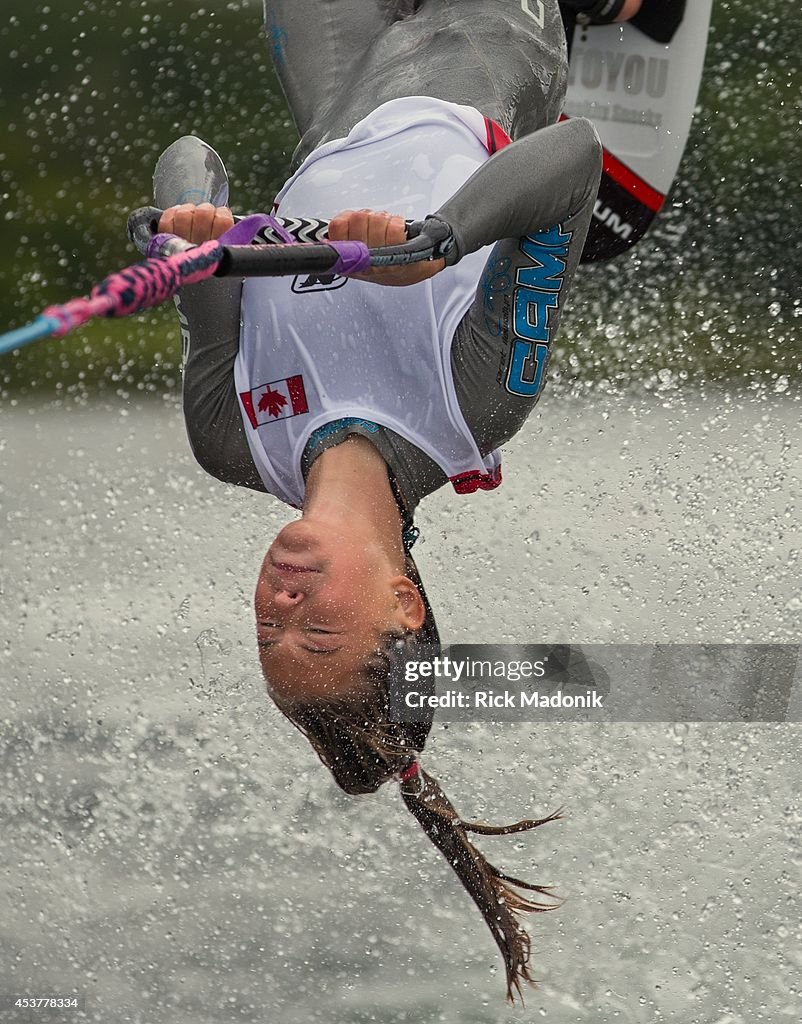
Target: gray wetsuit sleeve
{"type": "Point", "coordinates": [501, 348]}
{"type": "Point", "coordinates": [209, 313]}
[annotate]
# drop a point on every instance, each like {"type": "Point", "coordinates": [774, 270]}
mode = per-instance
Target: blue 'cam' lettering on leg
{"type": "Point", "coordinates": [537, 292]}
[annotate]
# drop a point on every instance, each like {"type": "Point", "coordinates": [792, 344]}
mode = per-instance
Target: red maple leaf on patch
{"type": "Point", "coordinates": [272, 401]}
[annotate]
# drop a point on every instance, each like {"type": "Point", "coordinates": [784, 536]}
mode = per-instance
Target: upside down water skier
{"type": "Point", "coordinates": [352, 402]}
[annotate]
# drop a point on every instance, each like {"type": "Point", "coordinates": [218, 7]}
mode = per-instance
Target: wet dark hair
{"type": "Point", "coordinates": [356, 740]}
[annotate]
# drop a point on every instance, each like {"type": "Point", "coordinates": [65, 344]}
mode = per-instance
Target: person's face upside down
{"type": "Point", "coordinates": [324, 597]}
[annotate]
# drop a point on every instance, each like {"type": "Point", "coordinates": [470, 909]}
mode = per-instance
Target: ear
{"type": "Point", "coordinates": [410, 602]}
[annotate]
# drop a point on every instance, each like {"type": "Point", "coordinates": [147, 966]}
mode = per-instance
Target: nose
{"type": "Point", "coordinates": [288, 597]}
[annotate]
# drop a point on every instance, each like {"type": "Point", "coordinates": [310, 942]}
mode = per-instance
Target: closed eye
{"type": "Point", "coordinates": [268, 645]}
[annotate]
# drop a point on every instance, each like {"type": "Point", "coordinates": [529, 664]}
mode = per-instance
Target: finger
{"type": "Point", "coordinates": [182, 221]}
{"type": "Point", "coordinates": [358, 226]}
{"type": "Point", "coordinates": [223, 221]}
{"type": "Point", "coordinates": [203, 222]}
{"type": "Point", "coordinates": [167, 221]}
{"type": "Point", "coordinates": [396, 231]}
{"type": "Point", "coordinates": [338, 226]}
{"type": "Point", "coordinates": [377, 229]}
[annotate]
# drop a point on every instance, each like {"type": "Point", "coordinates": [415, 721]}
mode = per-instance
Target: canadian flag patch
{"type": "Point", "coordinates": [276, 400]}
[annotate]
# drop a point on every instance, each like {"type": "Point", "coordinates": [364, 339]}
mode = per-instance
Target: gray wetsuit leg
{"type": "Point", "coordinates": [504, 57]}
{"type": "Point", "coordinates": [317, 48]}
{"type": "Point", "coordinates": [501, 348]}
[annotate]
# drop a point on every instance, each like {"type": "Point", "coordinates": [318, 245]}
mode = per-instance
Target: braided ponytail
{"type": "Point", "coordinates": [363, 750]}
{"type": "Point", "coordinates": [493, 892]}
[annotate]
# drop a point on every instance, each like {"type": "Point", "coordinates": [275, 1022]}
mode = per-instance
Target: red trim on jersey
{"type": "Point", "coordinates": [497, 138]}
{"type": "Point", "coordinates": [473, 480]}
{"type": "Point", "coordinates": [624, 176]}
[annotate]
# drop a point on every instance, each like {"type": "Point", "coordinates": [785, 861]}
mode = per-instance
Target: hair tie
{"type": "Point", "coordinates": [409, 773]}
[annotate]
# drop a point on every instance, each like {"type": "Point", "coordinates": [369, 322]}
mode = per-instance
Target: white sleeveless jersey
{"type": "Point", "coordinates": [315, 349]}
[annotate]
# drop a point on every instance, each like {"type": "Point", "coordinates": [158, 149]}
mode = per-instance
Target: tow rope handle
{"type": "Point", "coordinates": [173, 263]}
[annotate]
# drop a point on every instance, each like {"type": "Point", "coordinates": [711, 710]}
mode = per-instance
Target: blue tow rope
{"type": "Point", "coordinates": [38, 328]}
